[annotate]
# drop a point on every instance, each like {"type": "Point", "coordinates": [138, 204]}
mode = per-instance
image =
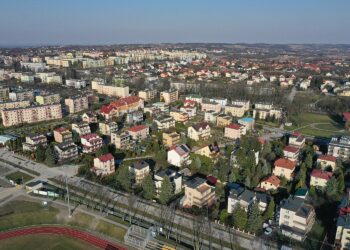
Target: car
{"type": "Point", "coordinates": [268, 231]}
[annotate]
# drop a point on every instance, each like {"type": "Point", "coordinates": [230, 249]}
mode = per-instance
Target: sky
{"type": "Point", "coordinates": [94, 22]}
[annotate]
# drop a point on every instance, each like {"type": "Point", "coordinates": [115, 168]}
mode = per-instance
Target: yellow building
{"type": "Point", "coordinates": [169, 96]}
{"type": "Point", "coordinates": [179, 116]}
{"type": "Point", "coordinates": [198, 193]}
{"type": "Point", "coordinates": [171, 138]}
{"type": "Point", "coordinates": [223, 120]}
{"type": "Point", "coordinates": [48, 99]}
{"type": "Point", "coordinates": [235, 110]}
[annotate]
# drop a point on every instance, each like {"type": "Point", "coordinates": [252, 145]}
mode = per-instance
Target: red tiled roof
{"type": "Point", "coordinates": [106, 157]}
{"type": "Point", "coordinates": [119, 103]}
{"type": "Point", "coordinates": [273, 179]}
{"type": "Point", "coordinates": [137, 128]}
{"type": "Point", "coordinates": [285, 163]}
{"type": "Point", "coordinates": [89, 136]}
{"type": "Point", "coordinates": [291, 149]}
{"type": "Point", "coordinates": [327, 158]}
{"type": "Point", "coordinates": [234, 126]}
{"type": "Point", "coordinates": [318, 173]}
{"type": "Point", "coordinates": [61, 129]}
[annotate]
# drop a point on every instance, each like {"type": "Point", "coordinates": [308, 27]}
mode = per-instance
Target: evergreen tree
{"type": "Point", "coordinates": [123, 178]}
{"type": "Point", "coordinates": [254, 218]}
{"type": "Point", "coordinates": [270, 210]}
{"type": "Point", "coordinates": [331, 187]}
{"type": "Point", "coordinates": [166, 191]}
{"type": "Point", "coordinates": [40, 153]}
{"type": "Point", "coordinates": [50, 156]}
{"type": "Point", "coordinates": [148, 188]}
{"type": "Point", "coordinates": [239, 216]}
{"type": "Point", "coordinates": [308, 161]}
{"type": "Point", "coordinates": [247, 181]}
{"type": "Point", "coordinates": [102, 151]}
{"type": "Point", "coordinates": [340, 181]}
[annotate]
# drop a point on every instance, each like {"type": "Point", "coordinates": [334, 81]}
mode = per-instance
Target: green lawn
{"type": "Point", "coordinates": [81, 220]}
{"type": "Point", "coordinates": [111, 230]}
{"type": "Point", "coordinates": [47, 242]}
{"type": "Point", "coordinates": [17, 177]}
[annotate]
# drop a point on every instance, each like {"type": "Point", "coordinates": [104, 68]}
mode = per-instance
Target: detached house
{"type": "Point", "coordinates": [270, 183]}
{"type": "Point", "coordinates": [211, 151]}
{"type": "Point", "coordinates": [292, 153]}
{"type": "Point", "coordinates": [198, 193]}
{"type": "Point", "coordinates": [62, 134]}
{"type": "Point", "coordinates": [319, 178]}
{"type": "Point", "coordinates": [284, 167]}
{"type": "Point", "coordinates": [139, 132]}
{"type": "Point", "coordinates": [199, 131]}
{"type": "Point", "coordinates": [174, 177]}
{"type": "Point", "coordinates": [104, 165]}
{"type": "Point", "coordinates": [91, 143]}
{"type": "Point", "coordinates": [179, 155]}
{"type": "Point", "coordinates": [235, 131]}
{"type": "Point", "coordinates": [66, 151]}
{"type": "Point", "coordinates": [327, 161]}
{"type": "Point", "coordinates": [297, 140]}
{"type": "Point", "coordinates": [139, 171]}
{"type": "Point", "coordinates": [81, 128]}
{"type": "Point", "coordinates": [33, 141]}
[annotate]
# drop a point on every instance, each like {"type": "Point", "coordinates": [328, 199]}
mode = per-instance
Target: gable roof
{"type": "Point", "coordinates": [318, 173]}
{"type": "Point", "coordinates": [137, 128]}
{"type": "Point", "coordinates": [327, 158]}
{"type": "Point", "coordinates": [285, 163]}
{"type": "Point", "coordinates": [234, 126]}
{"type": "Point", "coordinates": [106, 157]}
{"type": "Point", "coordinates": [273, 179]}
{"type": "Point", "coordinates": [291, 149]}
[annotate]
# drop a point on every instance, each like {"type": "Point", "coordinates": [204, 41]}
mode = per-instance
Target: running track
{"type": "Point", "coordinates": [67, 231]}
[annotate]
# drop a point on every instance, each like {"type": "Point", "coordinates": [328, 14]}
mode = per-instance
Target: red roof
{"type": "Point", "coordinates": [318, 173]}
{"type": "Point", "coordinates": [291, 149]}
{"type": "Point", "coordinates": [296, 134]}
{"type": "Point", "coordinates": [273, 179]}
{"type": "Point", "coordinates": [327, 158]}
{"type": "Point", "coordinates": [137, 128]}
{"type": "Point", "coordinates": [285, 163]}
{"type": "Point", "coordinates": [346, 116]}
{"type": "Point", "coordinates": [61, 129]}
{"type": "Point", "coordinates": [120, 103]}
{"type": "Point", "coordinates": [106, 157]}
{"type": "Point", "coordinates": [234, 126]}
{"type": "Point", "coordinates": [212, 179]}
{"type": "Point", "coordinates": [89, 136]}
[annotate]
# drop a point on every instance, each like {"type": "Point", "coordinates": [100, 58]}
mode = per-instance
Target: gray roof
{"type": "Point", "coordinates": [297, 205]}
{"type": "Point", "coordinates": [140, 165]}
{"type": "Point", "coordinates": [195, 182]}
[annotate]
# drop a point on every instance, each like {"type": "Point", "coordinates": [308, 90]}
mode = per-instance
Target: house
{"type": "Point", "coordinates": [246, 198]}
{"type": "Point", "coordinates": [190, 110]}
{"type": "Point", "coordinates": [296, 218]}
{"type": "Point", "coordinates": [179, 116]}
{"type": "Point", "coordinates": [263, 114]}
{"type": "Point", "coordinates": [342, 237]}
{"type": "Point", "coordinates": [199, 131]}
{"type": "Point", "coordinates": [65, 151]}
{"type": "Point", "coordinates": [108, 127]}
{"type": "Point", "coordinates": [169, 96]}
{"type": "Point", "coordinates": [340, 147]}
{"type": "Point", "coordinates": [234, 131]}
{"type": "Point", "coordinates": [122, 106]}
{"type": "Point", "coordinates": [270, 183]}
{"type": "Point", "coordinates": [327, 162]}
{"type": "Point", "coordinates": [138, 132]}
{"type": "Point", "coordinates": [179, 155]}
{"type": "Point", "coordinates": [33, 141]}
{"type": "Point", "coordinates": [235, 110]}
{"type": "Point", "coordinates": [198, 193]}
{"type": "Point", "coordinates": [291, 153]}
{"type": "Point", "coordinates": [284, 168]}
{"type": "Point", "coordinates": [104, 165]}
{"type": "Point", "coordinates": [165, 122]}
{"type": "Point", "coordinates": [210, 116]}
{"type": "Point", "coordinates": [174, 177]}
{"type": "Point", "coordinates": [171, 138]}
{"type": "Point", "coordinates": [121, 140]}
{"type": "Point", "coordinates": [62, 134]}
{"type": "Point", "coordinates": [82, 128]}
{"type": "Point", "coordinates": [139, 171]}
{"type": "Point", "coordinates": [248, 122]}
{"type": "Point", "coordinates": [91, 143]}
{"type": "Point", "coordinates": [162, 106]}
{"type": "Point", "coordinates": [223, 120]}
{"type": "Point", "coordinates": [211, 106]}
{"type": "Point", "coordinates": [297, 140]}
{"type": "Point", "coordinates": [134, 117]}
{"type": "Point", "coordinates": [89, 117]}
{"type": "Point", "coordinates": [211, 151]}
{"type": "Point", "coordinates": [319, 178]}
{"type": "Point", "coordinates": [194, 97]}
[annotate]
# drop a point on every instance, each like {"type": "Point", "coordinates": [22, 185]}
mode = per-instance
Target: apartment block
{"type": "Point", "coordinates": [48, 99]}
{"type": "Point", "coordinates": [62, 134]}
{"type": "Point", "coordinates": [91, 143]}
{"type": "Point", "coordinates": [234, 131]}
{"type": "Point", "coordinates": [169, 96]}
{"type": "Point", "coordinates": [121, 140]}
{"type": "Point", "coordinates": [82, 128]}
{"type": "Point", "coordinates": [76, 104]}
{"type": "Point", "coordinates": [33, 141]}
{"type": "Point", "coordinates": [139, 171]}
{"type": "Point", "coordinates": [102, 88]}
{"type": "Point", "coordinates": [171, 138]}
{"type": "Point", "coordinates": [198, 193]}
{"type": "Point", "coordinates": [148, 94]}
{"type": "Point", "coordinates": [66, 151]}
{"type": "Point", "coordinates": [14, 104]}
{"type": "Point", "coordinates": [107, 128]}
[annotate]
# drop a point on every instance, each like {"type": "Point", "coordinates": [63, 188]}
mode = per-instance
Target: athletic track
{"type": "Point", "coordinates": [66, 231]}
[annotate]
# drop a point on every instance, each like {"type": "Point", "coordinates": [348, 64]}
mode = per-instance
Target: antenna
{"type": "Point", "coordinates": [69, 210]}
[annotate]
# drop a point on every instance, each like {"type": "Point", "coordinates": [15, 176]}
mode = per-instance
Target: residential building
{"type": "Point", "coordinates": [174, 177]}
{"type": "Point", "coordinates": [270, 183]}
{"type": "Point", "coordinates": [235, 110]}
{"type": "Point", "coordinates": [198, 193]}
{"type": "Point", "coordinates": [340, 147]}
{"type": "Point", "coordinates": [27, 78]}
{"type": "Point", "coordinates": [263, 114]}
{"type": "Point", "coordinates": [179, 155]}
{"type": "Point", "coordinates": [4, 93]}
{"type": "Point", "coordinates": [66, 151]}
{"type": "Point", "coordinates": [326, 162]}
{"type": "Point", "coordinates": [14, 104]}
{"type": "Point", "coordinates": [191, 111]}
{"type": "Point", "coordinates": [245, 198]}
{"type": "Point", "coordinates": [48, 99]}
{"type": "Point", "coordinates": [165, 122]}
{"type": "Point", "coordinates": [284, 168]}
{"type": "Point", "coordinates": [171, 138]}
{"type": "Point", "coordinates": [121, 140]}
{"type": "Point", "coordinates": [243, 103]}
{"type": "Point", "coordinates": [108, 127]}
{"type": "Point", "coordinates": [22, 95]}
{"type": "Point", "coordinates": [17, 116]}
{"type": "Point", "coordinates": [76, 83]}
{"type": "Point", "coordinates": [162, 106]}
{"type": "Point", "coordinates": [194, 97]}
{"type": "Point", "coordinates": [223, 120]}
{"type": "Point", "coordinates": [319, 178]}
{"type": "Point", "coordinates": [222, 102]}
{"type": "Point", "coordinates": [210, 116]}
{"type": "Point", "coordinates": [297, 140]}
{"type": "Point", "coordinates": [248, 122]}
{"type": "Point", "coordinates": [82, 128]}
{"type": "Point", "coordinates": [62, 134]}
{"type": "Point", "coordinates": [104, 165]}
{"type": "Point", "coordinates": [148, 94]}
{"type": "Point", "coordinates": [109, 90]}
{"type": "Point", "coordinates": [211, 106]}
{"type": "Point", "coordinates": [199, 131]}
{"type": "Point", "coordinates": [179, 116]}
{"type": "Point", "coordinates": [89, 117]}
{"type": "Point", "coordinates": [235, 131]}
{"type": "Point", "coordinates": [211, 151]}
{"type": "Point", "coordinates": [139, 171]}
{"type": "Point", "coordinates": [139, 132]}
{"type": "Point", "coordinates": [76, 104]}
{"type": "Point", "coordinates": [342, 236]}
{"type": "Point", "coordinates": [134, 117]}
{"type": "Point", "coordinates": [91, 143]}
{"type": "Point", "coordinates": [291, 153]}
{"type": "Point", "coordinates": [169, 96]}
{"type": "Point", "coordinates": [122, 106]}
{"type": "Point", "coordinates": [33, 141]}
{"type": "Point", "coordinates": [296, 218]}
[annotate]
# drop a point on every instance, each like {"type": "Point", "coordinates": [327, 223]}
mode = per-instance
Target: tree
{"type": "Point", "coordinates": [166, 191]}
{"type": "Point", "coordinates": [308, 161]}
{"type": "Point", "coordinates": [224, 215]}
{"type": "Point", "coordinates": [239, 216]}
{"type": "Point", "coordinates": [148, 188]}
{"type": "Point", "coordinates": [40, 153]}
{"type": "Point", "coordinates": [270, 210]}
{"type": "Point", "coordinates": [102, 151]}
{"type": "Point", "coordinates": [331, 187]}
{"type": "Point", "coordinates": [340, 181]}
{"type": "Point", "coordinates": [254, 218]}
{"type": "Point", "coordinates": [123, 178]}
{"type": "Point", "coordinates": [50, 156]}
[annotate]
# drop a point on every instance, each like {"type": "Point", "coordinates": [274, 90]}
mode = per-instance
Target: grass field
{"type": "Point", "coordinates": [111, 230]}
{"type": "Point", "coordinates": [17, 177]}
{"type": "Point", "coordinates": [47, 242]}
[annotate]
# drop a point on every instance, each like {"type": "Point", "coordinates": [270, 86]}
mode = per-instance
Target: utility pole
{"type": "Point", "coordinates": [69, 211]}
